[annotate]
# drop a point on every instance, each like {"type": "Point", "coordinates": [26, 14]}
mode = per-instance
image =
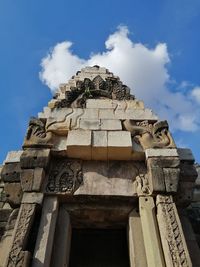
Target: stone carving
{"type": "Point", "coordinates": [37, 134]}
{"type": "Point", "coordinates": [149, 135]}
{"type": "Point", "coordinates": [16, 256]}
{"type": "Point", "coordinates": [65, 177]}
{"type": "Point", "coordinates": [111, 88]}
{"type": "Point", "coordinates": [172, 237]}
{"type": "Point", "coordinates": [142, 185]}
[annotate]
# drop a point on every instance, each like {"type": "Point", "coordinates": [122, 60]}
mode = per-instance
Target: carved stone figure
{"type": "Point", "coordinates": [150, 135]}
{"type": "Point", "coordinates": [111, 88]}
{"type": "Point", "coordinates": [65, 176]}
{"type": "Point", "coordinates": [36, 133]}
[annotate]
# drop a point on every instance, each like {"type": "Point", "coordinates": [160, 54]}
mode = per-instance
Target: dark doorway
{"type": "Point", "coordinates": [99, 248]}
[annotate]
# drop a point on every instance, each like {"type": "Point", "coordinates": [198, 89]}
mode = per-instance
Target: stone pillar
{"type": "Point", "coordinates": [18, 257]}
{"type": "Point", "coordinates": [137, 252]}
{"type": "Point", "coordinates": [62, 241]}
{"type": "Point", "coordinates": [172, 237]}
{"type": "Point", "coordinates": [150, 231]}
{"type": "Point", "coordinates": [45, 238]}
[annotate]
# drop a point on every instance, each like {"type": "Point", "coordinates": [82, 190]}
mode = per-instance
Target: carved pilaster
{"type": "Point", "coordinates": [172, 237]}
{"type": "Point", "coordinates": [17, 256]}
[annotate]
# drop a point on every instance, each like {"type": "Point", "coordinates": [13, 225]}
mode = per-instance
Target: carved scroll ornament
{"type": "Point", "coordinates": [149, 135]}
{"type": "Point", "coordinates": [111, 88]}
{"type": "Point", "coordinates": [65, 177]}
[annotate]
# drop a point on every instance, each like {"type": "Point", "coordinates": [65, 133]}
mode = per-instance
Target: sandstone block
{"type": "Point", "coordinates": [92, 113]}
{"type": "Point", "coordinates": [137, 252]}
{"type": "Point", "coordinates": [89, 124]}
{"type": "Point", "coordinates": [11, 172]}
{"type": "Point", "coordinates": [185, 154]}
{"type": "Point", "coordinates": [39, 175]}
{"type": "Point", "coordinates": [13, 156]}
{"type": "Point", "coordinates": [58, 127]}
{"type": "Point", "coordinates": [99, 145]}
{"type": "Point", "coordinates": [119, 145]}
{"type": "Point", "coordinates": [32, 198]}
{"type": "Point", "coordinates": [44, 242]}
{"type": "Point", "coordinates": [27, 177]}
{"type": "Point", "coordinates": [150, 231]}
{"type": "Point", "coordinates": [111, 125]}
{"type": "Point", "coordinates": [35, 158]}
{"type": "Point", "coordinates": [161, 152]}
{"type": "Point", "coordinates": [171, 179]}
{"type": "Point", "coordinates": [188, 172]}
{"type": "Point", "coordinates": [168, 162]}
{"type": "Point", "coordinates": [13, 193]}
{"type": "Point", "coordinates": [106, 114]}
{"type": "Point", "coordinates": [135, 114]}
{"type": "Point", "coordinates": [156, 179]}
{"type": "Point", "coordinates": [79, 144]}
{"type": "Point", "coordinates": [101, 103]}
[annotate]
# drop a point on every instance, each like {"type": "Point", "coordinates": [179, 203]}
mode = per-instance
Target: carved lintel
{"type": "Point", "coordinates": [172, 237]}
{"type": "Point", "coordinates": [65, 177]}
{"type": "Point", "coordinates": [18, 256]}
{"type": "Point", "coordinates": [111, 88]}
{"type": "Point", "coordinates": [150, 135]}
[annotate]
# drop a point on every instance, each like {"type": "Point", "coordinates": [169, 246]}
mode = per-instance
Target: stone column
{"type": "Point", "coordinates": [137, 252]}
{"type": "Point", "coordinates": [172, 237]}
{"type": "Point", "coordinates": [150, 231]}
{"type": "Point", "coordinates": [45, 238]}
{"type": "Point", "coordinates": [62, 241]}
{"type": "Point", "coordinates": [18, 257]}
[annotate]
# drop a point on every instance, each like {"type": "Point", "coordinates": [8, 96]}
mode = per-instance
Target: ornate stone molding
{"type": "Point", "coordinates": [150, 135]}
{"type": "Point", "coordinates": [172, 237]}
{"type": "Point", "coordinates": [111, 88]}
{"type": "Point", "coordinates": [65, 176]}
{"type": "Point", "coordinates": [17, 255]}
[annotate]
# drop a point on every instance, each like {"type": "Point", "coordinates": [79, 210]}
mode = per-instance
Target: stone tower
{"type": "Point", "coordinates": [99, 182]}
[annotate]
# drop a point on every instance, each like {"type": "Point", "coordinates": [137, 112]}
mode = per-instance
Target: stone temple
{"type": "Point", "coordinates": [99, 182]}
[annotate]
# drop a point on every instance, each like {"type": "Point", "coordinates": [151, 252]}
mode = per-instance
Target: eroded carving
{"type": "Point", "coordinates": [65, 176]}
{"type": "Point", "coordinates": [142, 185]}
{"type": "Point", "coordinates": [111, 88]}
{"type": "Point", "coordinates": [37, 134]}
{"type": "Point", "coordinates": [149, 135]}
{"type": "Point", "coordinates": [171, 233]}
{"type": "Point", "coordinates": [16, 256]}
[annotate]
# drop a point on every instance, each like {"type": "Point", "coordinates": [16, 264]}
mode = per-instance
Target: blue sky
{"type": "Point", "coordinates": [30, 28]}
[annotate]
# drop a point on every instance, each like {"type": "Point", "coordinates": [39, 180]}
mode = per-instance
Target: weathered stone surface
{"type": "Point", "coordinates": [13, 193]}
{"type": "Point", "coordinates": [11, 172]}
{"type": "Point", "coordinates": [119, 145]}
{"type": "Point", "coordinates": [150, 232]}
{"type": "Point", "coordinates": [58, 127]}
{"type": "Point", "coordinates": [185, 154]}
{"type": "Point", "coordinates": [164, 162]}
{"type": "Point", "coordinates": [33, 198]}
{"type": "Point", "coordinates": [27, 177]}
{"type": "Point", "coordinates": [35, 158]}
{"type": "Point", "coordinates": [89, 124]}
{"type": "Point", "coordinates": [64, 176]}
{"type": "Point", "coordinates": [60, 254]}
{"type": "Point", "coordinates": [188, 172]}
{"type": "Point", "coordinates": [171, 176]}
{"type": "Point", "coordinates": [113, 125]}
{"type": "Point", "coordinates": [185, 193]}
{"type": "Point", "coordinates": [39, 175]}
{"type": "Point", "coordinates": [158, 152]}
{"type": "Point", "coordinates": [4, 214]}
{"type": "Point", "coordinates": [172, 237]}
{"type": "Point", "coordinates": [99, 145]}
{"type": "Point", "coordinates": [137, 252]}
{"type": "Point", "coordinates": [44, 242]}
{"type": "Point", "coordinates": [79, 144]}
{"type": "Point", "coordinates": [17, 257]}
{"type": "Point", "coordinates": [156, 179]}
{"type": "Point", "coordinates": [13, 156]}
{"type": "Point", "coordinates": [116, 178]}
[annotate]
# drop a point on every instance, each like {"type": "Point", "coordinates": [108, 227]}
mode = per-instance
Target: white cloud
{"type": "Point", "coordinates": [143, 69]}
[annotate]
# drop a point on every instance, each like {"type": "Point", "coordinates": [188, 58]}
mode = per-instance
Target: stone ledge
{"type": "Point", "coordinates": [161, 152]}
{"type": "Point", "coordinates": [185, 154]}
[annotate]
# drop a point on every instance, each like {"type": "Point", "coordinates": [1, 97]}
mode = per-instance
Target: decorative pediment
{"type": "Point", "coordinates": [111, 88]}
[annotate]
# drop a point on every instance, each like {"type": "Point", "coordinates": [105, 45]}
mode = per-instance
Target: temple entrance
{"type": "Point", "coordinates": [99, 248]}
